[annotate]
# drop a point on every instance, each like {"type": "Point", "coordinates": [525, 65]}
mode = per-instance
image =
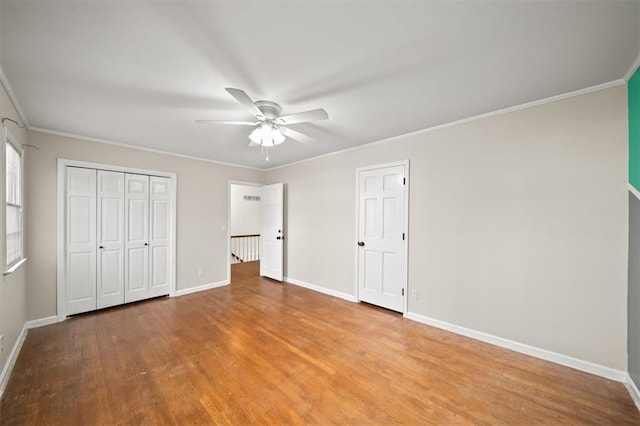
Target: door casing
{"type": "Point", "coordinates": [228, 227]}
{"type": "Point", "coordinates": [63, 163]}
{"type": "Point", "coordinates": [405, 282]}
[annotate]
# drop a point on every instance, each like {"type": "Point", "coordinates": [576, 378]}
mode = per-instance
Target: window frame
{"type": "Point", "coordinates": [8, 138]}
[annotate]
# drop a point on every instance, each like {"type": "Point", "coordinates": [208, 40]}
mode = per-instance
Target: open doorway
{"type": "Point", "coordinates": [244, 230]}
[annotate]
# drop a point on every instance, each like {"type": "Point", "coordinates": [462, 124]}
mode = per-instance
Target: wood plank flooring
{"type": "Point", "coordinates": [261, 352]}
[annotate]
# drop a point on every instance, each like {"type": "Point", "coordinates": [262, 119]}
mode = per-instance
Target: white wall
{"type": "Point", "coordinates": [517, 223]}
{"type": "Point", "coordinates": [201, 211]}
{"type": "Point", "coordinates": [13, 312]}
{"type": "Point", "coordinates": [245, 215]}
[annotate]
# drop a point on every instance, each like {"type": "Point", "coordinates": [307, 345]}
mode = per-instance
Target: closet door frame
{"type": "Point", "coordinates": [61, 223]}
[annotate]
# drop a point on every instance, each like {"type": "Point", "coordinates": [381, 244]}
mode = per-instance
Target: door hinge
{"type": "Point", "coordinates": [403, 291]}
{"type": "Point", "coordinates": [403, 236]}
{"type": "Point", "coordinates": [404, 181]}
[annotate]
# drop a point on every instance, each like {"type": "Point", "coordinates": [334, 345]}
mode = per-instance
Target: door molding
{"type": "Point", "coordinates": [405, 277]}
{"type": "Point", "coordinates": [229, 183]}
{"type": "Point", "coordinates": [63, 163]}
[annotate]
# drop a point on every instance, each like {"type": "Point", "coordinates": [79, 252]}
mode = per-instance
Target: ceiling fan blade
{"type": "Point", "coordinates": [243, 123]}
{"type": "Point", "coordinates": [302, 117]}
{"type": "Point", "coordinates": [300, 137]}
{"type": "Point", "coordinates": [245, 100]}
{"type": "Point", "coordinates": [252, 143]}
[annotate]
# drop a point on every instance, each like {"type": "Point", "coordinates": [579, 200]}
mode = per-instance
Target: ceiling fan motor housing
{"type": "Point", "coordinates": [270, 110]}
{"type": "Point", "coordinates": [271, 129]}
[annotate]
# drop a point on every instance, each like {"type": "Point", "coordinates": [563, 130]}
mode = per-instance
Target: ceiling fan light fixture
{"type": "Point", "coordinates": [256, 135]}
{"type": "Point", "coordinates": [271, 129]}
{"type": "Point", "coordinates": [267, 135]}
{"type": "Point", "coordinates": [278, 135]}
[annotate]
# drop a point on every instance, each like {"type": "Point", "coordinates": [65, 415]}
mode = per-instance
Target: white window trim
{"type": "Point", "coordinates": [7, 137]}
{"type": "Point", "coordinates": [11, 269]}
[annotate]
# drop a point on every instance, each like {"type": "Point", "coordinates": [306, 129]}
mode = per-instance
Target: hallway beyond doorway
{"type": "Point", "coordinates": [244, 271]}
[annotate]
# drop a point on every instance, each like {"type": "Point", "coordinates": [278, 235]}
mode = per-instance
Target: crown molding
{"type": "Point", "coordinates": [526, 105]}
{"type": "Point", "coordinates": [22, 116]}
{"type": "Point", "coordinates": [13, 98]}
{"type": "Point", "coordinates": [139, 148]}
{"type": "Point", "coordinates": [632, 70]}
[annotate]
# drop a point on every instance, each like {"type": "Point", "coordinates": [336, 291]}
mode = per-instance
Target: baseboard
{"type": "Point", "coordinates": [633, 190]}
{"type": "Point", "coordinates": [338, 294]}
{"type": "Point", "coordinates": [201, 288]}
{"type": "Point", "coordinates": [13, 356]}
{"type": "Point", "coordinates": [578, 364]}
{"type": "Point", "coordinates": [633, 390]}
{"type": "Point", "coordinates": [41, 322]}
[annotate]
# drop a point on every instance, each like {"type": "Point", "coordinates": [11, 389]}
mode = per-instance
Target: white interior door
{"type": "Point", "coordinates": [136, 237]}
{"type": "Point", "coordinates": [159, 236]}
{"type": "Point", "coordinates": [272, 231]}
{"type": "Point", "coordinates": [116, 236]}
{"type": "Point", "coordinates": [80, 240]}
{"type": "Point", "coordinates": [381, 228]}
{"type": "Point", "coordinates": [110, 259]}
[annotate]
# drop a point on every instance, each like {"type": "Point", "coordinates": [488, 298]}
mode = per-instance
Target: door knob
{"type": "Point", "coordinates": [146, 244]}
{"type": "Point", "coordinates": [101, 247]}
{"type": "Point", "coordinates": [361, 243]}
{"type": "Point", "coordinates": [278, 238]}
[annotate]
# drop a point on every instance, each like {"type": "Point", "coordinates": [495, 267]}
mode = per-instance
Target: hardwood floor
{"type": "Point", "coordinates": [262, 352]}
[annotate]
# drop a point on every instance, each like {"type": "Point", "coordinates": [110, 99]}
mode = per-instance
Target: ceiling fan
{"type": "Point", "coordinates": [270, 127]}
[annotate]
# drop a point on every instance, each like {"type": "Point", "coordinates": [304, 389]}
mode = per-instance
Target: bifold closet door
{"type": "Point", "coordinates": [110, 220]}
{"type": "Point", "coordinates": [137, 238]}
{"type": "Point", "coordinates": [81, 240]}
{"type": "Point", "coordinates": [159, 238]}
{"type": "Point", "coordinates": [118, 238]}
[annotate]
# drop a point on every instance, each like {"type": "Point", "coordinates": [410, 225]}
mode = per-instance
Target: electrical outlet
{"type": "Point", "coordinates": [414, 294]}
{"type": "Point", "coordinates": [200, 273]}
{"type": "Point", "coordinates": [1, 343]}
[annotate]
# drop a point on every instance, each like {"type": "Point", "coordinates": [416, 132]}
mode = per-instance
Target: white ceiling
{"type": "Point", "coordinates": [140, 72]}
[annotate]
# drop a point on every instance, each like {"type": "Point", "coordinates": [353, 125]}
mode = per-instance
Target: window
{"type": "Point", "coordinates": [13, 206]}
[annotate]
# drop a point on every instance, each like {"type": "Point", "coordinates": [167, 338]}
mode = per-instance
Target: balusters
{"type": "Point", "coordinates": [245, 248]}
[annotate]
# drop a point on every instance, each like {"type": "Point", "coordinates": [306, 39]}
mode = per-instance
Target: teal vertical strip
{"type": "Point", "coordinates": [634, 129]}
